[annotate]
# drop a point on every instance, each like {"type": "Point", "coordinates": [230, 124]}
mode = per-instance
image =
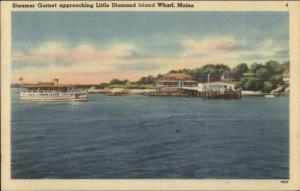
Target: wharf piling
{"type": "Point", "coordinates": [208, 94]}
{"type": "Point", "coordinates": [232, 94]}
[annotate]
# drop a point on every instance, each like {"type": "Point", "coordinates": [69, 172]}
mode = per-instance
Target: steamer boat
{"type": "Point", "coordinates": [52, 91]}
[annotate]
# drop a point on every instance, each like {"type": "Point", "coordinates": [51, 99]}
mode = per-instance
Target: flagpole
{"type": "Point", "coordinates": [21, 79]}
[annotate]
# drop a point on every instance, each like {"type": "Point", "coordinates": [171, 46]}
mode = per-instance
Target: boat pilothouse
{"type": "Point", "coordinates": [52, 91]}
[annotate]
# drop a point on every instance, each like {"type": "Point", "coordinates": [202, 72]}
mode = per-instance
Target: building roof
{"type": "Point", "coordinates": [286, 70]}
{"type": "Point", "coordinates": [177, 76]}
{"type": "Point", "coordinates": [175, 81]}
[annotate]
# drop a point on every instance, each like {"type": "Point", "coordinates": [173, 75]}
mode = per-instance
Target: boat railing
{"type": "Point", "coordinates": [54, 91]}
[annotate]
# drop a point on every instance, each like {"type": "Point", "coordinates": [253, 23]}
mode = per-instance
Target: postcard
{"type": "Point", "coordinates": [150, 95]}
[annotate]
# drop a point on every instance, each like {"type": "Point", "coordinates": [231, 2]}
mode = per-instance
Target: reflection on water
{"type": "Point", "coordinates": [151, 137]}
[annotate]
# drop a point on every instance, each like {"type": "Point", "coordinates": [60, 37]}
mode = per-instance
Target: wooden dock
{"type": "Point", "coordinates": [236, 94]}
{"type": "Point", "coordinates": [209, 94]}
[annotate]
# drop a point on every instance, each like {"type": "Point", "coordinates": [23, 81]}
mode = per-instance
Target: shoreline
{"type": "Point", "coordinates": [152, 92]}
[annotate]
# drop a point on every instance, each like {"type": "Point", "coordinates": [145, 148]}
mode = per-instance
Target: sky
{"type": "Point", "coordinates": [96, 47]}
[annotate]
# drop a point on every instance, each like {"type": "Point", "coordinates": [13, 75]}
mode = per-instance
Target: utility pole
{"type": "Point", "coordinates": [208, 80]}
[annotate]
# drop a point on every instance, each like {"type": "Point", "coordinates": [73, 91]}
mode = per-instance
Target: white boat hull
{"type": "Point", "coordinates": [54, 96]}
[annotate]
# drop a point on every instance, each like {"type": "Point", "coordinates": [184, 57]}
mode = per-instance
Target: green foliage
{"type": "Point", "coordinates": [102, 85]}
{"type": "Point", "coordinates": [117, 81]}
{"type": "Point", "coordinates": [214, 70]}
{"type": "Point", "coordinates": [254, 67]}
{"type": "Point", "coordinates": [259, 77]}
{"type": "Point", "coordinates": [141, 86]}
{"type": "Point", "coordinates": [237, 85]}
{"type": "Point", "coordinates": [268, 76]}
{"type": "Point", "coordinates": [274, 67]}
{"type": "Point", "coordinates": [263, 73]}
{"type": "Point", "coordinates": [252, 84]}
{"type": "Point", "coordinates": [131, 86]}
{"type": "Point", "coordinates": [276, 80]}
{"type": "Point", "coordinates": [268, 86]}
{"type": "Point", "coordinates": [239, 70]}
{"type": "Point", "coordinates": [147, 80]}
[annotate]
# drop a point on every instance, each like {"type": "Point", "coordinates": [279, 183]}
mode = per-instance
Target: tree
{"type": "Point", "coordinates": [102, 85]}
{"type": "Point", "coordinates": [237, 72]}
{"type": "Point", "coordinates": [147, 80]}
{"type": "Point", "coordinates": [284, 65]}
{"type": "Point", "coordinates": [257, 77]}
{"type": "Point", "coordinates": [263, 73]}
{"type": "Point", "coordinates": [251, 84]}
{"type": "Point", "coordinates": [254, 67]}
{"type": "Point", "coordinates": [268, 86]}
{"type": "Point", "coordinates": [215, 71]}
{"type": "Point", "coordinates": [276, 80]}
{"type": "Point", "coordinates": [245, 84]}
{"type": "Point", "coordinates": [159, 76]}
{"type": "Point", "coordinates": [274, 67]}
{"type": "Point", "coordinates": [117, 81]}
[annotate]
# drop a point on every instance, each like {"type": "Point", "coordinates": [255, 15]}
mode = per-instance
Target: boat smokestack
{"type": "Point", "coordinates": [55, 81]}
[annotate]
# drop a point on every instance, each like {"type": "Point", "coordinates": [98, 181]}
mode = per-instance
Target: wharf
{"type": "Point", "coordinates": [233, 94]}
{"type": "Point", "coordinates": [209, 94]}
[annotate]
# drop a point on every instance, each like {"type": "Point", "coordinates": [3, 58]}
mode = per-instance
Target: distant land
{"type": "Point", "coordinates": [254, 77]}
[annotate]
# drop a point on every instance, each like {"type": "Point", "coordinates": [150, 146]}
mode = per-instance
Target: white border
{"type": "Point", "coordinates": [158, 184]}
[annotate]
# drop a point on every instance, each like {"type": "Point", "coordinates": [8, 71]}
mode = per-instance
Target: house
{"type": "Point", "coordinates": [286, 75]}
{"type": "Point", "coordinates": [225, 76]}
{"type": "Point", "coordinates": [216, 86]}
{"type": "Point", "coordinates": [176, 80]}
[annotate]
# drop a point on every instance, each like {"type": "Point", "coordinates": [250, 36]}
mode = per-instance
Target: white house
{"type": "Point", "coordinates": [286, 75]}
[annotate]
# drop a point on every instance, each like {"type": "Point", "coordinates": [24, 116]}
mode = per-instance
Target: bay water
{"type": "Point", "coordinates": [124, 137]}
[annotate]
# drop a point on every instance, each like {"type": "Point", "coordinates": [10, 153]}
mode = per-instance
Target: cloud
{"type": "Point", "coordinates": [94, 64]}
{"type": "Point", "coordinates": [140, 66]}
{"type": "Point", "coordinates": [61, 54]}
{"type": "Point", "coordinates": [232, 50]}
{"type": "Point", "coordinates": [209, 46]}
{"type": "Point", "coordinates": [266, 50]}
{"type": "Point", "coordinates": [83, 62]}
